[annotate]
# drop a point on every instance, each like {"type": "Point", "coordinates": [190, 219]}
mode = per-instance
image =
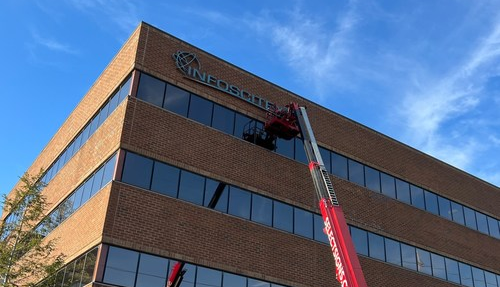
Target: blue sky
{"type": "Point", "coordinates": [425, 73]}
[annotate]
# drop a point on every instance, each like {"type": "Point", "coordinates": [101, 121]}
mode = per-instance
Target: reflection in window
{"type": "Point", "coordinates": [165, 179]}
{"type": "Point", "coordinates": [339, 165]}
{"type": "Point", "coordinates": [137, 170]}
{"type": "Point", "coordinates": [465, 274]}
{"type": "Point", "coordinates": [121, 266]}
{"type": "Point", "coordinates": [457, 213]}
{"type": "Point", "coordinates": [176, 100]}
{"type": "Point", "coordinates": [151, 90]}
{"type": "Point", "coordinates": [200, 110]}
{"type": "Point", "coordinates": [431, 203]}
{"type": "Point", "coordinates": [303, 222]}
{"type": "Point", "coordinates": [223, 119]}
{"type": "Point", "coordinates": [257, 283]}
{"type": "Point", "coordinates": [191, 187]}
{"type": "Point", "coordinates": [239, 202]}
{"type": "Point", "coordinates": [470, 218]}
{"type": "Point", "coordinates": [376, 246]}
{"type": "Point", "coordinates": [372, 178]}
{"type": "Point", "coordinates": [392, 251]}
{"type": "Point", "coordinates": [482, 223]}
{"type": "Point", "coordinates": [403, 191]}
{"type": "Point", "coordinates": [262, 208]}
{"type": "Point", "coordinates": [417, 197]}
{"type": "Point", "coordinates": [325, 155]}
{"type": "Point", "coordinates": [438, 268]}
{"type": "Point", "coordinates": [444, 207]}
{"type": "Point", "coordinates": [490, 279]}
{"type": "Point", "coordinates": [152, 271]}
{"type": "Point", "coordinates": [408, 256]}
{"type": "Point", "coordinates": [493, 227]}
{"type": "Point", "coordinates": [300, 153]}
{"type": "Point", "coordinates": [283, 216]}
{"type": "Point", "coordinates": [285, 147]}
{"type": "Point", "coordinates": [319, 235]}
{"type": "Point", "coordinates": [478, 277]}
{"type": "Point", "coordinates": [388, 185]}
{"type": "Point", "coordinates": [452, 273]}
{"type": "Point", "coordinates": [210, 188]}
{"type": "Point", "coordinates": [232, 280]}
{"type": "Point", "coordinates": [208, 277]}
{"type": "Point", "coordinates": [424, 261]}
{"type": "Point", "coordinates": [356, 173]}
{"type": "Point", "coordinates": [360, 239]}
{"type": "Point", "coordinates": [239, 124]}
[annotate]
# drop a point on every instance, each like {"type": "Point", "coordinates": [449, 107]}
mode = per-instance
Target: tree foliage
{"type": "Point", "coordinates": [25, 255]}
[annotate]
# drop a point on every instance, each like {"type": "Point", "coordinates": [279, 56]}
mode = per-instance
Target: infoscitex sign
{"type": "Point", "coordinates": [190, 66]}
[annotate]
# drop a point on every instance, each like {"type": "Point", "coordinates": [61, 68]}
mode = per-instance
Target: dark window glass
{"type": "Point", "coordinates": [223, 119]}
{"type": "Point", "coordinates": [78, 143]}
{"type": "Point", "coordinates": [376, 246]}
{"type": "Point", "coordinates": [210, 187]}
{"type": "Point", "coordinates": [493, 227]}
{"type": "Point", "coordinates": [109, 170]}
{"type": "Point", "coordinates": [208, 277]}
{"type": "Point", "coordinates": [482, 223]}
{"type": "Point", "coordinates": [283, 216]}
{"type": "Point", "coordinates": [232, 280]}
{"type": "Point", "coordinates": [125, 90]}
{"type": "Point", "coordinates": [300, 153]}
{"type": "Point", "coordinates": [88, 270]}
{"type": "Point", "coordinates": [176, 100]}
{"type": "Point", "coordinates": [285, 147]}
{"type": "Point", "coordinates": [408, 255]}
{"type": "Point", "coordinates": [325, 155]}
{"type": "Point", "coordinates": [189, 276]}
{"type": "Point", "coordinates": [319, 235]}
{"type": "Point", "coordinates": [239, 124]}
{"type": "Point", "coordinates": [137, 170]}
{"type": "Point", "coordinates": [78, 197]}
{"type": "Point", "coordinates": [97, 181]}
{"type": "Point", "coordinates": [372, 177]}
{"type": "Point", "coordinates": [356, 173]}
{"type": "Point", "coordinates": [303, 223]}
{"type": "Point", "coordinates": [151, 90]}
{"type": "Point", "coordinates": [470, 218]}
{"type": "Point", "coordinates": [152, 271]}
{"type": "Point", "coordinates": [403, 191]}
{"type": "Point", "coordinates": [465, 274]}
{"type": "Point", "coordinates": [77, 274]}
{"type": "Point", "coordinates": [392, 251]}
{"type": "Point", "coordinates": [103, 115]}
{"type": "Point", "coordinates": [192, 187]}
{"type": "Point", "coordinates": [239, 202]}
{"type": "Point", "coordinates": [85, 134]}
{"type": "Point", "coordinates": [360, 239]}
{"type": "Point", "coordinates": [200, 110]}
{"type": "Point", "coordinates": [424, 261]}
{"type": "Point", "coordinates": [491, 280]}
{"type": "Point", "coordinates": [68, 275]}
{"type": "Point", "coordinates": [457, 213]}
{"type": "Point", "coordinates": [94, 125]}
{"type": "Point", "coordinates": [438, 268]}
{"type": "Point", "coordinates": [339, 165]}
{"type": "Point", "coordinates": [165, 179]}
{"type": "Point", "coordinates": [444, 207]}
{"type": "Point", "coordinates": [452, 273]}
{"type": "Point", "coordinates": [388, 185]}
{"type": "Point", "coordinates": [478, 276]}
{"type": "Point", "coordinates": [257, 283]}
{"type": "Point", "coordinates": [113, 102]}
{"type": "Point", "coordinates": [262, 209]}
{"type": "Point", "coordinates": [87, 190]}
{"type": "Point", "coordinates": [121, 267]}
{"type": "Point", "coordinates": [431, 202]}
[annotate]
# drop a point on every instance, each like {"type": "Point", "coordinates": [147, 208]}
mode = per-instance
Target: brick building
{"type": "Point", "coordinates": [132, 169]}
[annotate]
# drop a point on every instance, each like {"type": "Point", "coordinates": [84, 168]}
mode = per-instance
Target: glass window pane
{"type": "Point", "coordinates": [121, 267]}
{"type": "Point", "coordinates": [239, 124]}
{"type": "Point", "coordinates": [85, 134]}
{"type": "Point", "coordinates": [152, 271]}
{"type": "Point", "coordinates": [68, 275]}
{"type": "Point", "coordinates": [388, 185]}
{"type": "Point", "coordinates": [200, 110]}
{"type": "Point", "coordinates": [239, 202]}
{"type": "Point", "coordinates": [192, 187]}
{"type": "Point", "coordinates": [457, 213]}
{"type": "Point", "coordinates": [300, 153]}
{"type": "Point", "coordinates": [438, 267]}
{"type": "Point", "coordinates": [176, 100]}
{"type": "Point", "coordinates": [493, 227]}
{"type": "Point", "coordinates": [356, 173]}
{"type": "Point", "coordinates": [165, 179]}
{"type": "Point", "coordinates": [470, 218]}
{"type": "Point", "coordinates": [88, 271]}
{"type": "Point", "coordinates": [408, 255]}
{"type": "Point", "coordinates": [96, 186]}
{"type": "Point", "coordinates": [77, 200]}
{"type": "Point", "coordinates": [303, 223]}
{"type": "Point", "coordinates": [94, 125]}
{"type": "Point", "coordinates": [210, 188]}
{"type": "Point", "coordinates": [283, 216]}
{"type": "Point", "coordinates": [403, 191]}
{"type": "Point", "coordinates": [208, 277]}
{"type": "Point", "coordinates": [491, 280]}
{"type": "Point", "coordinates": [103, 115]}
{"type": "Point", "coordinates": [452, 273]}
{"type": "Point", "coordinates": [87, 190]}
{"type": "Point", "coordinates": [223, 119]}
{"type": "Point", "coordinates": [109, 170]}
{"type": "Point", "coordinates": [372, 177]}
{"type": "Point", "coordinates": [431, 203]}
{"type": "Point", "coordinates": [424, 261]}
{"type": "Point", "coordinates": [232, 280]}
{"type": "Point", "coordinates": [189, 276]}
{"type": "Point", "coordinates": [137, 170]}
{"type": "Point", "coordinates": [77, 274]}
{"type": "Point", "coordinates": [285, 147]}
{"type": "Point", "coordinates": [113, 102]}
{"type": "Point", "coordinates": [319, 235]}
{"type": "Point", "coordinates": [125, 90]}
{"type": "Point", "coordinates": [151, 90]}
{"type": "Point", "coordinates": [339, 165]}
{"type": "Point", "coordinates": [482, 223]}
{"type": "Point", "coordinates": [376, 246]}
{"type": "Point", "coordinates": [478, 276]}
{"type": "Point", "coordinates": [444, 207]}
{"type": "Point", "coordinates": [325, 155]}
{"type": "Point", "coordinates": [360, 239]}
{"type": "Point", "coordinates": [262, 209]}
{"type": "Point", "coordinates": [465, 274]}
{"type": "Point", "coordinates": [392, 252]}
{"type": "Point", "coordinates": [257, 283]}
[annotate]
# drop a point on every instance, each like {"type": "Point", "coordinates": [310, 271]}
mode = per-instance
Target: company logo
{"type": "Point", "coordinates": [190, 66]}
{"type": "Point", "coordinates": [185, 61]}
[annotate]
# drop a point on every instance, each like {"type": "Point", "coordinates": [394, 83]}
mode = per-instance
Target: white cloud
{"type": "Point", "coordinates": [53, 44]}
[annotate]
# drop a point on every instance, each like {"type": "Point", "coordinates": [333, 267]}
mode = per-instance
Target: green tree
{"type": "Point", "coordinates": [24, 254]}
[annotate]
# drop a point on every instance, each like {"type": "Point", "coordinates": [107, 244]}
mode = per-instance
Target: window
{"type": "Point", "coordinates": [208, 277]}
{"type": "Point", "coordinates": [109, 170]}
{"type": "Point", "coordinates": [96, 186]}
{"type": "Point", "coordinates": [121, 267]}
{"type": "Point", "coordinates": [403, 191]}
{"type": "Point", "coordinates": [88, 271]}
{"type": "Point", "coordinates": [151, 90]}
{"type": "Point", "coordinates": [470, 218]}
{"type": "Point", "coordinates": [424, 261]}
{"type": "Point", "coordinates": [191, 187]}
{"type": "Point", "coordinates": [478, 276]}
{"type": "Point", "coordinates": [444, 207]}
{"type": "Point", "coordinates": [137, 170]}
{"type": "Point", "coordinates": [438, 266]}
{"type": "Point", "coordinates": [372, 177]}
{"type": "Point", "coordinates": [103, 115]}
{"type": "Point", "coordinates": [376, 246]}
{"type": "Point", "coordinates": [87, 189]}
{"type": "Point", "coordinates": [339, 165]}
{"type": "Point", "coordinates": [417, 197]}
{"type": "Point", "coordinates": [283, 216]}
{"type": "Point", "coordinates": [360, 239]}
{"type": "Point", "coordinates": [408, 256]}
{"type": "Point", "coordinates": [493, 227]}
{"type": "Point", "coordinates": [319, 235]}
{"type": "Point", "coordinates": [482, 223]}
{"type": "Point", "coordinates": [356, 173]}
{"type": "Point", "coordinates": [257, 283]}
{"type": "Point", "coordinates": [176, 100]}
{"type": "Point", "coordinates": [392, 251]}
{"type": "Point", "coordinates": [325, 155]}
{"type": "Point", "coordinates": [210, 188]}
{"type": "Point", "coordinates": [262, 209]}
{"type": "Point", "coordinates": [452, 270]}
{"type": "Point", "coordinates": [431, 203]}
{"type": "Point", "coordinates": [457, 213]}
{"type": "Point", "coordinates": [303, 222]}
{"type": "Point", "coordinates": [300, 153]}
{"type": "Point", "coordinates": [165, 179]}
{"type": "Point", "coordinates": [152, 271]}
{"type": "Point", "coordinates": [200, 110]}
{"type": "Point", "coordinates": [388, 185]}
{"type": "Point", "coordinates": [125, 90]}
{"type": "Point", "coordinates": [491, 280]}
{"type": "Point", "coordinates": [223, 119]}
{"type": "Point", "coordinates": [285, 147]}
{"type": "Point", "coordinates": [465, 274]}
{"type": "Point", "coordinates": [239, 124]}
{"type": "Point", "coordinates": [232, 280]}
{"type": "Point", "coordinates": [239, 202]}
